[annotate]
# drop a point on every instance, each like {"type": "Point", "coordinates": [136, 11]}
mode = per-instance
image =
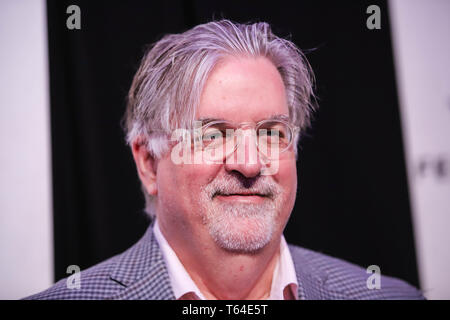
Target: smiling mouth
{"type": "Point", "coordinates": [243, 194]}
{"type": "Point", "coordinates": [247, 197]}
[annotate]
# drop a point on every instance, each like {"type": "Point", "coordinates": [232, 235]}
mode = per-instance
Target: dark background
{"type": "Point", "coordinates": [353, 199]}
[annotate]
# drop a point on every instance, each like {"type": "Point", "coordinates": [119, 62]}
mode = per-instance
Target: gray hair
{"type": "Point", "coordinates": [166, 89]}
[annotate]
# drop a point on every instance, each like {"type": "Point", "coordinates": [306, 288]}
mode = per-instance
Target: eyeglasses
{"type": "Point", "coordinates": [219, 139]}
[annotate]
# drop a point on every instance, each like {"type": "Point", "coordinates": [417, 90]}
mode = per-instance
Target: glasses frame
{"type": "Point", "coordinates": [293, 131]}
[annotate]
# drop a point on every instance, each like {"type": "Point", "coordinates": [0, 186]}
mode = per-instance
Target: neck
{"type": "Point", "coordinates": [235, 276]}
{"type": "Point", "coordinates": [220, 274]}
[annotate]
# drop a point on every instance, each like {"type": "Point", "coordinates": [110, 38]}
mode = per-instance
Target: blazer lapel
{"type": "Point", "coordinates": [142, 271]}
{"type": "Point", "coordinates": [312, 276]}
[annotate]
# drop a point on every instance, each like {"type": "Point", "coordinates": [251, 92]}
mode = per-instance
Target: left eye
{"type": "Point", "coordinates": [211, 136]}
{"type": "Point", "coordinates": [272, 133]}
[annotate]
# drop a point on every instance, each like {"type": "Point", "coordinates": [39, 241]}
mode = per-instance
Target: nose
{"type": "Point", "coordinates": [245, 159]}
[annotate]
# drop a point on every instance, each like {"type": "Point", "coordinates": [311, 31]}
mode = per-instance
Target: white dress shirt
{"type": "Point", "coordinates": [284, 280]}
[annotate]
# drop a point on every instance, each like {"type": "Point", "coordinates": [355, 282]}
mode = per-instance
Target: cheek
{"type": "Point", "coordinates": [287, 179]}
{"type": "Point", "coordinates": [196, 177]}
{"type": "Point", "coordinates": [180, 185]}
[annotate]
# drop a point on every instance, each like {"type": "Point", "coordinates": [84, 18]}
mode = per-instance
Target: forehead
{"type": "Point", "coordinates": [243, 89]}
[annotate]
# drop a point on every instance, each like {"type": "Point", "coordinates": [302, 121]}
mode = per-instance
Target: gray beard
{"type": "Point", "coordinates": [240, 227]}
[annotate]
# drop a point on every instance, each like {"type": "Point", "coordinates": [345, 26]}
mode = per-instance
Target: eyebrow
{"type": "Point", "coordinates": [207, 120]}
{"type": "Point", "coordinates": [279, 117]}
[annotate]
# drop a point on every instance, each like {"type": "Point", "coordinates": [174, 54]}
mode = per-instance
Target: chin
{"type": "Point", "coordinates": [242, 234]}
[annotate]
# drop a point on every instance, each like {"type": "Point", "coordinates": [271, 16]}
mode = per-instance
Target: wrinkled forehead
{"type": "Point", "coordinates": [243, 90]}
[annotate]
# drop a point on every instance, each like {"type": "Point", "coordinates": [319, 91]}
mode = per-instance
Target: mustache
{"type": "Point", "coordinates": [234, 185]}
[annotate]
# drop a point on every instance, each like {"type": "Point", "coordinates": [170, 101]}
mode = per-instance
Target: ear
{"type": "Point", "coordinates": [146, 166]}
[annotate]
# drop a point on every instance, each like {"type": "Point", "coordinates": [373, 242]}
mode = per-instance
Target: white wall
{"type": "Point", "coordinates": [26, 251]}
{"type": "Point", "coordinates": [421, 39]}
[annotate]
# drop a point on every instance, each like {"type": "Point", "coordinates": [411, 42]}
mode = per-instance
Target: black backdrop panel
{"type": "Point", "coordinates": [353, 198]}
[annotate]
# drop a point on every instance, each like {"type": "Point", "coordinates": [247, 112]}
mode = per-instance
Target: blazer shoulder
{"type": "Point", "coordinates": [94, 283]}
{"type": "Point", "coordinates": [349, 279]}
{"type": "Point", "coordinates": [118, 277]}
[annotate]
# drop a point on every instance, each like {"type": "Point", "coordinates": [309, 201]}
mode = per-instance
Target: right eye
{"type": "Point", "coordinates": [212, 136]}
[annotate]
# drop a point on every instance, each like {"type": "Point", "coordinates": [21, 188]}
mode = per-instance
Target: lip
{"type": "Point", "coordinates": [242, 197]}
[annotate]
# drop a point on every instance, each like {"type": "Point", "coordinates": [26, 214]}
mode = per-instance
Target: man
{"type": "Point", "coordinates": [213, 120]}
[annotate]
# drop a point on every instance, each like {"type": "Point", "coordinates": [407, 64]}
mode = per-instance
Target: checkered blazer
{"type": "Point", "coordinates": [140, 273]}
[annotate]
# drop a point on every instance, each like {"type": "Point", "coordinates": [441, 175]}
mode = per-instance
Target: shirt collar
{"type": "Point", "coordinates": [284, 280]}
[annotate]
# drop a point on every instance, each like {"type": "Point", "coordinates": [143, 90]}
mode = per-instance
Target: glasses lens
{"type": "Point", "coordinates": [218, 140]}
{"type": "Point", "coordinates": [273, 137]}
{"type": "Point", "coordinates": [212, 137]}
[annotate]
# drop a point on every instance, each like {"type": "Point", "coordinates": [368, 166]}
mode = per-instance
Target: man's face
{"type": "Point", "coordinates": [231, 204]}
